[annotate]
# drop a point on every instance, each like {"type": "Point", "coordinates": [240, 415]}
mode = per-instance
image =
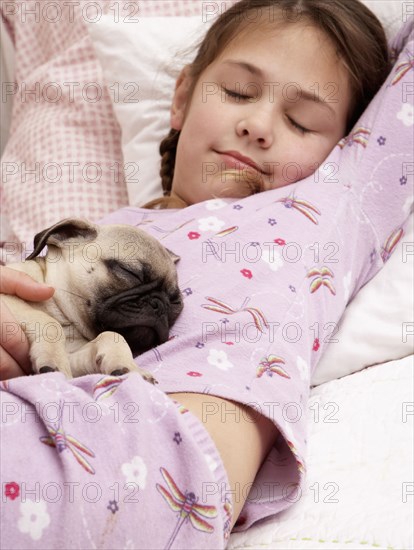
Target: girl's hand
{"type": "Point", "coordinates": [14, 348]}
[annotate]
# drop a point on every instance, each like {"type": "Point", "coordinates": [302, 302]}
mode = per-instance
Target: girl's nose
{"type": "Point", "coordinates": [257, 127]}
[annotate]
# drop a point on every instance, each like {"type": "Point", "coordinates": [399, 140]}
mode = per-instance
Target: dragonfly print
{"type": "Point", "coordinates": [302, 206]}
{"type": "Point", "coordinates": [187, 507]}
{"type": "Point", "coordinates": [223, 308]}
{"type": "Point", "coordinates": [62, 441]}
{"type": "Point", "coordinates": [321, 277]}
{"type": "Point", "coordinates": [391, 243]}
{"type": "Point", "coordinates": [270, 365]}
{"type": "Point", "coordinates": [402, 68]}
{"type": "Point", "coordinates": [106, 386]}
{"type": "Point", "coordinates": [359, 135]}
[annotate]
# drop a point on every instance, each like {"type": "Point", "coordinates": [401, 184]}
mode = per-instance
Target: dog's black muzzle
{"type": "Point", "coordinates": [143, 315]}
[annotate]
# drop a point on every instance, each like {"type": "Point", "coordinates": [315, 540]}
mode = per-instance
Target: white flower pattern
{"type": "Point", "coordinates": [135, 471]}
{"type": "Point", "coordinates": [210, 224]}
{"type": "Point", "coordinates": [406, 114]}
{"type": "Point", "coordinates": [215, 204]}
{"type": "Point", "coordinates": [34, 518]}
{"type": "Point", "coordinates": [219, 359]}
{"type": "Point", "coordinates": [273, 258]}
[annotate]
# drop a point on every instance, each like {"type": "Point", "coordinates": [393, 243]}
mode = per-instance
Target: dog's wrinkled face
{"type": "Point", "coordinates": [125, 278]}
{"type": "Point", "coordinates": [144, 311]}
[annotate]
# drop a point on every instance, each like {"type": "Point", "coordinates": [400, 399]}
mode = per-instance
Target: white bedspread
{"type": "Point", "coordinates": [360, 490]}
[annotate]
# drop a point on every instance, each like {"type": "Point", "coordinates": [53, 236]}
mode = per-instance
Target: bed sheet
{"type": "Point", "coordinates": [359, 492]}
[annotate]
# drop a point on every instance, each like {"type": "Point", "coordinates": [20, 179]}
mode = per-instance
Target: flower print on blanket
{"type": "Point", "coordinates": [34, 518]}
{"type": "Point", "coordinates": [210, 224]}
{"type": "Point", "coordinates": [135, 472]}
{"type": "Point", "coordinates": [406, 114]}
{"type": "Point", "coordinates": [219, 359]}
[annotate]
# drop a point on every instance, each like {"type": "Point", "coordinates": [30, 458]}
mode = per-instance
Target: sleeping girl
{"type": "Point", "coordinates": [284, 194]}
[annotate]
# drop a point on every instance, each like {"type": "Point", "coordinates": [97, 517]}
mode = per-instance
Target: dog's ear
{"type": "Point", "coordinates": [61, 232]}
{"type": "Point", "coordinates": [174, 257]}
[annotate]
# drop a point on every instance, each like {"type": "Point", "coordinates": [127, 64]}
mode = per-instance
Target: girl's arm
{"type": "Point", "coordinates": [243, 438]}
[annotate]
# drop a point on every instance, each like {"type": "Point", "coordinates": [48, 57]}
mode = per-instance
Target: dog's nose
{"type": "Point", "coordinates": [157, 305]}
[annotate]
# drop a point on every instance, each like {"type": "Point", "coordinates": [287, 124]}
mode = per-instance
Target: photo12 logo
{"type": "Point", "coordinates": [68, 11]}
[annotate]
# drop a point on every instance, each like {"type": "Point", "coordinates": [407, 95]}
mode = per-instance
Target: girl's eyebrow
{"type": "Point", "coordinates": [308, 96]}
{"type": "Point", "coordinates": [247, 66]}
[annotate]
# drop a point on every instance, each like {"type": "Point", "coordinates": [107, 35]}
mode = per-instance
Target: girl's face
{"type": "Point", "coordinates": [271, 107]}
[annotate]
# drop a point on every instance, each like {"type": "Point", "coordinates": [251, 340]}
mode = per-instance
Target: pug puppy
{"type": "Point", "coordinates": [116, 297]}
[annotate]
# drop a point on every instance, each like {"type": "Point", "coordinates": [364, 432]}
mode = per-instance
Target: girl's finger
{"type": "Point", "coordinates": [22, 285]}
{"type": "Point", "coordinates": [9, 368]}
{"type": "Point", "coordinates": [14, 347]}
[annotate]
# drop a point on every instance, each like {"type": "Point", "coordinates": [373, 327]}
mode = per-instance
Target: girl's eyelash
{"type": "Point", "coordinates": [235, 95]}
{"type": "Point", "coordinates": [298, 126]}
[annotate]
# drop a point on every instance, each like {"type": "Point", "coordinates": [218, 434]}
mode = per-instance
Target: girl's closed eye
{"type": "Point", "coordinates": [236, 95]}
{"type": "Point", "coordinates": [298, 127]}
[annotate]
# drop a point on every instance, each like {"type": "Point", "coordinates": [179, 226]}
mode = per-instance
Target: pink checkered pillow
{"type": "Point", "coordinates": [63, 157]}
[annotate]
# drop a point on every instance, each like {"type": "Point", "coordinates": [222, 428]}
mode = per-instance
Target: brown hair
{"type": "Point", "coordinates": [354, 30]}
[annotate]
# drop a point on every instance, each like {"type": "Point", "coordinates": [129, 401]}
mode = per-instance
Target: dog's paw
{"type": "Point", "coordinates": [120, 372]}
{"type": "Point", "coordinates": [46, 368]}
{"type": "Point", "coordinates": [42, 370]}
{"type": "Point", "coordinates": [147, 376]}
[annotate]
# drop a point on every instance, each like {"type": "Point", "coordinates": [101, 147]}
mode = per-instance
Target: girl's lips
{"type": "Point", "coordinates": [233, 159]}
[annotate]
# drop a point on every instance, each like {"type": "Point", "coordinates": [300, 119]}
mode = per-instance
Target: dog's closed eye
{"type": "Point", "coordinates": [125, 270]}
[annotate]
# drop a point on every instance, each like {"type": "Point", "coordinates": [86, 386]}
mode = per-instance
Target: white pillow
{"type": "Point", "coordinates": [140, 61]}
{"type": "Point", "coordinates": [391, 13]}
{"type": "Point", "coordinates": [378, 325]}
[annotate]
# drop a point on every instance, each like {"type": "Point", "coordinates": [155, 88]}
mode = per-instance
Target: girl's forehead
{"type": "Point", "coordinates": [302, 43]}
{"type": "Point", "coordinates": [258, 36]}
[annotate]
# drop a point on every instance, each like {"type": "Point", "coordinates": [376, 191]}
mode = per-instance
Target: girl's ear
{"type": "Point", "coordinates": [181, 99]}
